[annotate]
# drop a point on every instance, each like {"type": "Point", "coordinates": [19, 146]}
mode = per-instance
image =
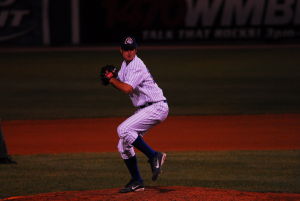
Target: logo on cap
{"type": "Point", "coordinates": [128, 41]}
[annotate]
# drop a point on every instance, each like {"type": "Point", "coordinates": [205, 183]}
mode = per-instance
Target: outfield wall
{"type": "Point", "coordinates": [102, 22]}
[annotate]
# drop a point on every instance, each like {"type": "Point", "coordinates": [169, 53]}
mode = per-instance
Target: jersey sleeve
{"type": "Point", "coordinates": [135, 77]}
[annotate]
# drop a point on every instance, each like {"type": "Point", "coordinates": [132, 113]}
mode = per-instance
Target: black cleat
{"type": "Point", "coordinates": [133, 186]}
{"type": "Point", "coordinates": [156, 164]}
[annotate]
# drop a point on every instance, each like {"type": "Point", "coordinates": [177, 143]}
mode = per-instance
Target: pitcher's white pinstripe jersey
{"type": "Point", "coordinates": [144, 87]}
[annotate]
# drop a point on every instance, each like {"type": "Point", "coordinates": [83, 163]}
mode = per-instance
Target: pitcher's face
{"type": "Point", "coordinates": [128, 55]}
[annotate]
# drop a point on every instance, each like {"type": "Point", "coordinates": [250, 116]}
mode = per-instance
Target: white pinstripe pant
{"type": "Point", "coordinates": [137, 124]}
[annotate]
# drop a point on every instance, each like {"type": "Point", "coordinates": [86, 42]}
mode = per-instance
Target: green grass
{"type": "Point", "coordinates": [259, 171]}
{"type": "Point", "coordinates": [51, 85]}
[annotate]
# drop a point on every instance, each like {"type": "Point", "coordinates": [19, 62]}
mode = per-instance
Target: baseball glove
{"type": "Point", "coordinates": [107, 72]}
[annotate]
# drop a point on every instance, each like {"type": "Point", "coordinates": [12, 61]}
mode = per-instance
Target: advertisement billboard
{"type": "Point", "coordinates": [100, 22]}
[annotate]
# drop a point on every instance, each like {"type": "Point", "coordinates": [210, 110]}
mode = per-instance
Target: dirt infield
{"type": "Point", "coordinates": [177, 193]}
{"type": "Point", "coordinates": [179, 133]}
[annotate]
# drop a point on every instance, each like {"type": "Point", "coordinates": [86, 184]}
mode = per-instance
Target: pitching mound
{"type": "Point", "coordinates": [161, 193]}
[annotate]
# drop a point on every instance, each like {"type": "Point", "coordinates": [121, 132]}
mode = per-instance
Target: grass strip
{"type": "Point", "coordinates": [259, 171]}
{"type": "Point", "coordinates": [52, 85]}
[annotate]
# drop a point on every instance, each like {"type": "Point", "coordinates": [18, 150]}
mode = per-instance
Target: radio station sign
{"type": "Point", "coordinates": [207, 19]}
{"type": "Point", "coordinates": [97, 22]}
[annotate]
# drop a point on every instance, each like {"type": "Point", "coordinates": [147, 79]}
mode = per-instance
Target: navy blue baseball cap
{"type": "Point", "coordinates": [128, 43]}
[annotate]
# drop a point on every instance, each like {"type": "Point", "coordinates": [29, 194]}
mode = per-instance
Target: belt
{"type": "Point", "coordinates": [150, 103]}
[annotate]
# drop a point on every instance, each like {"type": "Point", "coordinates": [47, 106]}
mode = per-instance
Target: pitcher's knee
{"type": "Point", "coordinates": [125, 150]}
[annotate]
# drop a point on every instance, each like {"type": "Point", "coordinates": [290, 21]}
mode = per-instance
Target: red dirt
{"type": "Point", "coordinates": [176, 193]}
{"type": "Point", "coordinates": [181, 133]}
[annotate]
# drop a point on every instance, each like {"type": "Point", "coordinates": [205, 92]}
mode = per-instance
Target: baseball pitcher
{"type": "Point", "coordinates": [134, 79]}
